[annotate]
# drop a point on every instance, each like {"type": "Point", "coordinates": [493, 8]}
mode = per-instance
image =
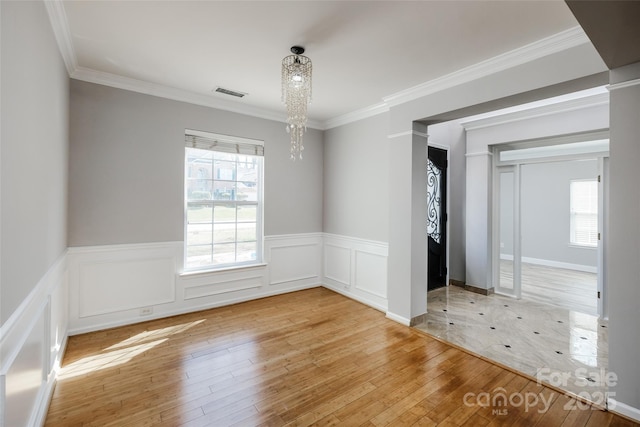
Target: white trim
{"type": "Point", "coordinates": [623, 409]}
{"type": "Point", "coordinates": [381, 245]}
{"type": "Point", "coordinates": [407, 133]}
{"type": "Point", "coordinates": [154, 89]}
{"type": "Point", "coordinates": [15, 331]}
{"type": "Point", "coordinates": [396, 318]}
{"type": "Point", "coordinates": [479, 154]}
{"type": "Point", "coordinates": [362, 299]}
{"type": "Point", "coordinates": [536, 112]}
{"type": "Point", "coordinates": [190, 292]}
{"type": "Point", "coordinates": [623, 85]}
{"type": "Point", "coordinates": [372, 290]}
{"type": "Point", "coordinates": [553, 44]}
{"type": "Point", "coordinates": [354, 116]}
{"type": "Point", "coordinates": [60, 27]}
{"type": "Point", "coordinates": [190, 309]}
{"type": "Point", "coordinates": [547, 46]}
{"type": "Point", "coordinates": [21, 325]}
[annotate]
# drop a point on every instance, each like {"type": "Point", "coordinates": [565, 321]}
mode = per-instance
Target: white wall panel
{"type": "Point", "coordinates": [356, 268]}
{"type": "Point", "coordinates": [371, 273]}
{"type": "Point", "coordinates": [227, 286]}
{"type": "Point", "coordinates": [337, 263]}
{"type": "Point", "coordinates": [116, 285]}
{"type": "Point", "coordinates": [293, 259]}
{"type": "Point", "coordinates": [110, 286]}
{"type": "Point", "coordinates": [31, 352]}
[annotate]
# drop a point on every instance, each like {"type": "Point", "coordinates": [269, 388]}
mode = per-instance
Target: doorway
{"type": "Point", "coordinates": [549, 215]}
{"type": "Point", "coordinates": [436, 217]}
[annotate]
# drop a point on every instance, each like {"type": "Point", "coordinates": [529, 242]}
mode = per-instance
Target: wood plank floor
{"type": "Point", "coordinates": [311, 357]}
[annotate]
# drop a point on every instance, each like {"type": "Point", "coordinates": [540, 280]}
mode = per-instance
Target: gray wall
{"type": "Point", "coordinates": [624, 250]}
{"type": "Point", "coordinates": [126, 167]}
{"type": "Point", "coordinates": [34, 147]}
{"type": "Point", "coordinates": [545, 212]}
{"type": "Point", "coordinates": [452, 134]}
{"type": "Point", "coordinates": [356, 179]}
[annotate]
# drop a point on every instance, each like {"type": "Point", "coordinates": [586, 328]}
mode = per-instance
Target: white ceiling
{"type": "Point", "coordinates": [362, 51]}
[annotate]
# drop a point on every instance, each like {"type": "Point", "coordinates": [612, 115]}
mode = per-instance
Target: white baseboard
{"type": "Point", "coordinates": [623, 409]}
{"type": "Point", "coordinates": [365, 301]}
{"type": "Point", "coordinates": [402, 320]}
{"type": "Point", "coordinates": [551, 263]}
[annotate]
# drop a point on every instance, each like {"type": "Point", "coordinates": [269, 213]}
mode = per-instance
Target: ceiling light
{"type": "Point", "coordinates": [296, 95]}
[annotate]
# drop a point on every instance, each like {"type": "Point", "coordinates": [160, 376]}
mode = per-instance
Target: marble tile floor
{"type": "Point", "coordinates": [564, 348]}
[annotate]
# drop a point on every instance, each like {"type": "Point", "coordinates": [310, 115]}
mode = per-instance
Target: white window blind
{"type": "Point", "coordinates": [584, 212]}
{"type": "Point", "coordinates": [223, 201]}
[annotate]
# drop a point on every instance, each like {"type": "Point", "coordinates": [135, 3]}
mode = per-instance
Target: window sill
{"type": "Point", "coordinates": [191, 273]}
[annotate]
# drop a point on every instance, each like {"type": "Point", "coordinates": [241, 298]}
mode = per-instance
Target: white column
{"type": "Point", "coordinates": [407, 261]}
{"type": "Point", "coordinates": [478, 218]}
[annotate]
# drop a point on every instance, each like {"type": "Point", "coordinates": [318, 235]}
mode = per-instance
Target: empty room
{"type": "Point", "coordinates": [218, 213]}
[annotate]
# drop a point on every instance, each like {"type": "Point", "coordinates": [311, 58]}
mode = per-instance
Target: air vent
{"type": "Point", "coordinates": [230, 92]}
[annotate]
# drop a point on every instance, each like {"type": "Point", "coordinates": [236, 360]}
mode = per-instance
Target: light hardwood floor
{"type": "Point", "coordinates": [308, 357]}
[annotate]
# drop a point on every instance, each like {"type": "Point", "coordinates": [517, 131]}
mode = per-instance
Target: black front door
{"type": "Point", "coordinates": [437, 217]}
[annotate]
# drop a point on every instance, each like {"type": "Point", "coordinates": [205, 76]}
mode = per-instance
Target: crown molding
{"type": "Point", "coordinates": [553, 44]}
{"type": "Point", "coordinates": [558, 42]}
{"type": "Point", "coordinates": [531, 112]}
{"type": "Point", "coordinates": [356, 115]}
{"type": "Point", "coordinates": [60, 26]}
{"type": "Point", "coordinates": [622, 85]}
{"type": "Point", "coordinates": [162, 91]}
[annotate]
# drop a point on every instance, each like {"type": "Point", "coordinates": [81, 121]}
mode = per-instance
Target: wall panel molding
{"type": "Point", "coordinates": [356, 268]}
{"type": "Point", "coordinates": [150, 276]}
{"type": "Point", "coordinates": [31, 352]}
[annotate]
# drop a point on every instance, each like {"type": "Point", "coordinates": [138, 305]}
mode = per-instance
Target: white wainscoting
{"type": "Point", "coordinates": [115, 285]}
{"type": "Point", "coordinates": [356, 268]}
{"type": "Point", "coordinates": [33, 340]}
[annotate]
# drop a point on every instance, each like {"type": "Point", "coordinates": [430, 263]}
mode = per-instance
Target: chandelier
{"type": "Point", "coordinates": [296, 95]}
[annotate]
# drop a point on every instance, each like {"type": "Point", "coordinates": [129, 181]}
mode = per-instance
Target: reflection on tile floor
{"type": "Point", "coordinates": [565, 348]}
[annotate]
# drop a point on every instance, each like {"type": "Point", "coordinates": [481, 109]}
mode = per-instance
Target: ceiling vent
{"type": "Point", "coordinates": [230, 92]}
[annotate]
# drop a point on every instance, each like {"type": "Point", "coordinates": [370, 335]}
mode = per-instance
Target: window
{"type": "Point", "coordinates": [584, 212]}
{"type": "Point", "coordinates": [223, 201]}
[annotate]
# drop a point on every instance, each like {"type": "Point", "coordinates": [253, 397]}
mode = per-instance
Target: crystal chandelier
{"type": "Point", "coordinates": [296, 95]}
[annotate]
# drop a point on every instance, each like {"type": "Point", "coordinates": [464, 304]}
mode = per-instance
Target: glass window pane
{"type": "Point", "coordinates": [224, 213]}
{"type": "Point", "coordinates": [224, 232]}
{"type": "Point", "coordinates": [198, 256]}
{"type": "Point", "coordinates": [246, 232]}
{"type": "Point", "coordinates": [199, 234]}
{"type": "Point", "coordinates": [224, 254]}
{"type": "Point", "coordinates": [247, 213]}
{"type": "Point", "coordinates": [219, 232]}
{"type": "Point", "coordinates": [224, 171]}
{"type": "Point", "coordinates": [198, 189]}
{"type": "Point", "coordinates": [219, 155]}
{"type": "Point", "coordinates": [199, 212]}
{"type": "Point", "coordinates": [247, 251]}
{"type": "Point", "coordinates": [224, 190]}
{"type": "Point", "coordinates": [247, 191]}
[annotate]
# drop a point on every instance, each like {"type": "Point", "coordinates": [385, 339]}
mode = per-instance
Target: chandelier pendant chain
{"type": "Point", "coordinates": [296, 95]}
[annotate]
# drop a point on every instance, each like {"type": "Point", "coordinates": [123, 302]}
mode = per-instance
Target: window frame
{"type": "Point", "coordinates": [227, 143]}
{"type": "Point", "coordinates": [573, 213]}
